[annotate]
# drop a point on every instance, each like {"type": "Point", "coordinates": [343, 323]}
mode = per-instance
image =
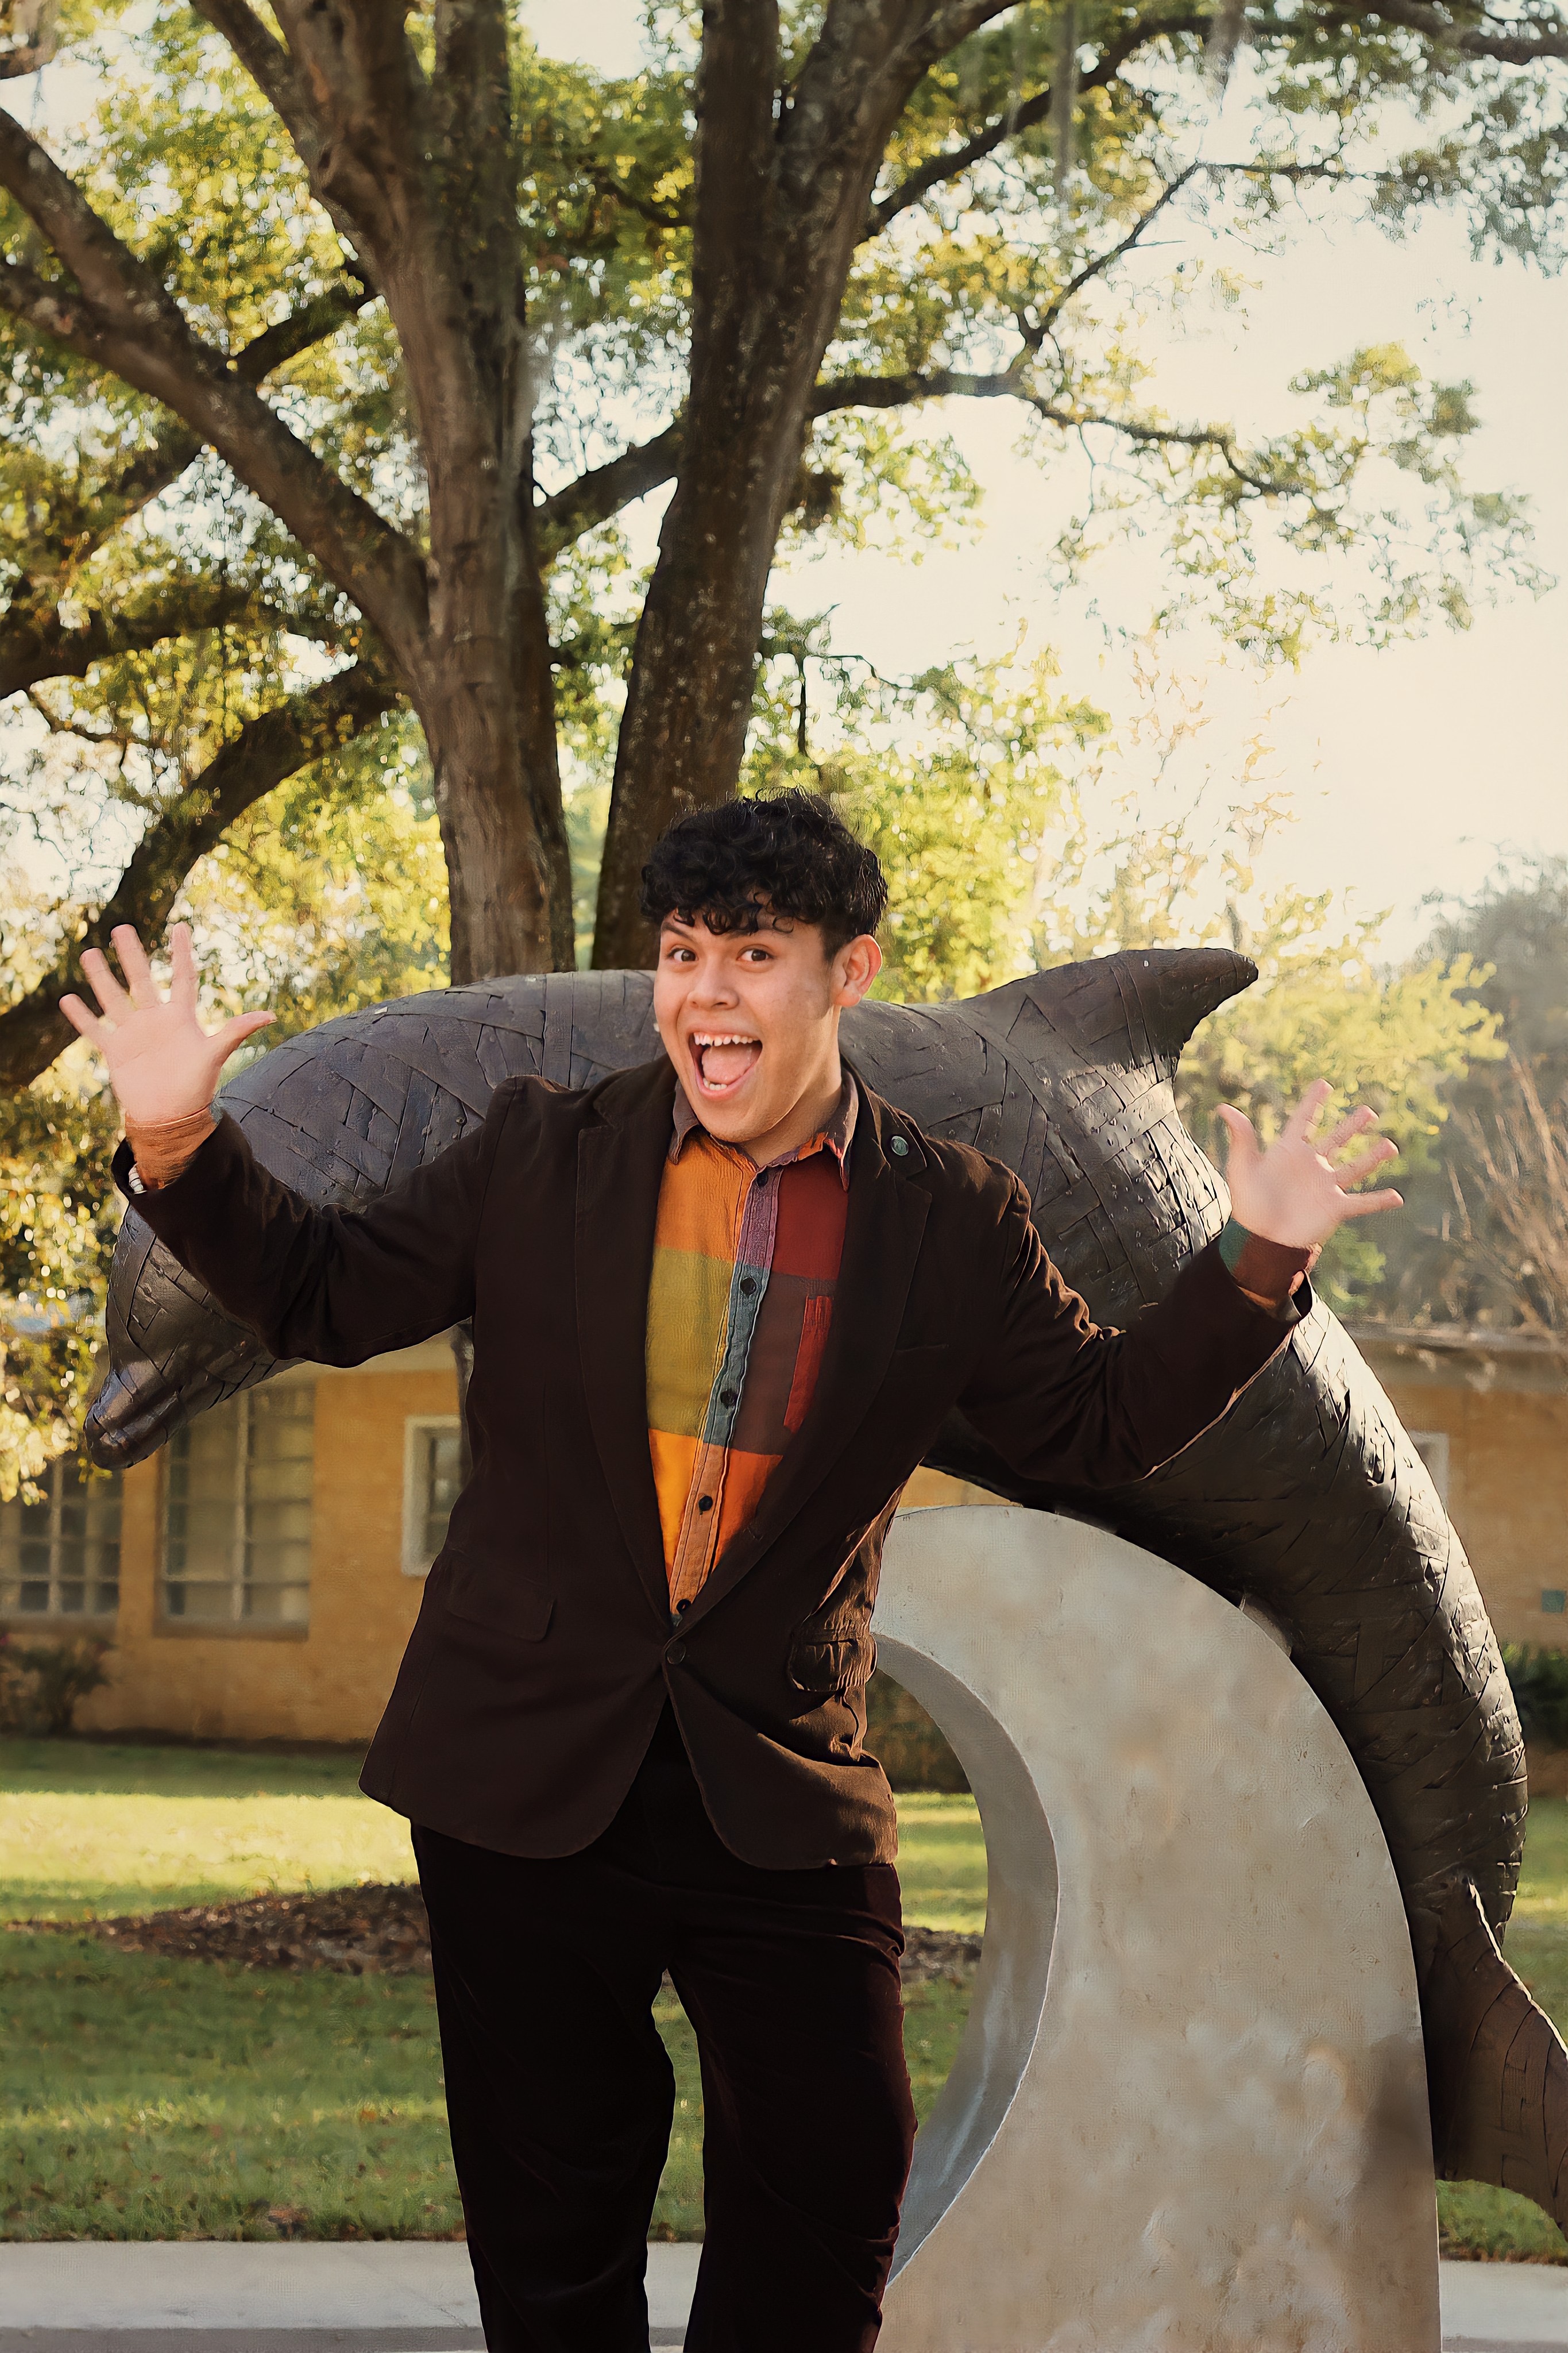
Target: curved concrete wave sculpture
{"type": "Point", "coordinates": [1308, 1498]}
{"type": "Point", "coordinates": [1189, 2112]}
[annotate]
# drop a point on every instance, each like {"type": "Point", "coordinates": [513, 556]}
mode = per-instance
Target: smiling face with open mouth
{"type": "Point", "coordinates": [750, 1019]}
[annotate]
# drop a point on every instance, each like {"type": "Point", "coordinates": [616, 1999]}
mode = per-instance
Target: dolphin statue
{"type": "Point", "coordinates": [1307, 1504]}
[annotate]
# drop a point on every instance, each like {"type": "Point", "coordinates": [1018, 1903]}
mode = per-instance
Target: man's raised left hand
{"type": "Point", "coordinates": [1295, 1192]}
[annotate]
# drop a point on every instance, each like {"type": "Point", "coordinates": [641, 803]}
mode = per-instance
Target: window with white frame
{"type": "Point", "coordinates": [59, 1557]}
{"type": "Point", "coordinates": [432, 1474]}
{"type": "Point", "coordinates": [237, 1511]}
{"type": "Point", "coordinates": [1431, 1445]}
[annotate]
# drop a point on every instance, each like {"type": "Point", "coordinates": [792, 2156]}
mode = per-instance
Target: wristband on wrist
{"type": "Point", "coordinates": [1268, 1272]}
{"type": "Point", "coordinates": [162, 1149]}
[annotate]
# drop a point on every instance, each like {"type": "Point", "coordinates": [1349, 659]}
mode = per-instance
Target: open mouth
{"type": "Point", "coordinates": [722, 1059]}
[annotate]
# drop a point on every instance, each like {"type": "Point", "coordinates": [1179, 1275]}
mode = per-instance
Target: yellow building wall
{"type": "Point", "coordinates": [1507, 1490]}
{"type": "Point", "coordinates": [330, 1680]}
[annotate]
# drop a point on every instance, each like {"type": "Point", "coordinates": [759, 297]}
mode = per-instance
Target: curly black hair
{"type": "Point", "coordinates": [786, 853]}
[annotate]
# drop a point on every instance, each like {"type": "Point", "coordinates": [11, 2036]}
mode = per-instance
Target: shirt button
{"type": "Point", "coordinates": [705, 1503]}
{"type": "Point", "coordinates": [675, 1654]}
{"type": "Point", "coordinates": [726, 1397]}
{"type": "Point", "coordinates": [748, 1284]}
{"type": "Point", "coordinates": [900, 1145]}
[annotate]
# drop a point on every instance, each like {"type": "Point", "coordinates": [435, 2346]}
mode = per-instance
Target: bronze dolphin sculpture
{"type": "Point", "coordinates": [1308, 1500]}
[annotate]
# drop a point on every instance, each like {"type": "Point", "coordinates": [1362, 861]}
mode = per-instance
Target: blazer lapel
{"type": "Point", "coordinates": [881, 1244]}
{"type": "Point", "coordinates": [620, 1164]}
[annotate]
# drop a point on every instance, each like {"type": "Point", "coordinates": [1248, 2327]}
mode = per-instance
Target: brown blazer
{"type": "Point", "coordinates": [544, 1647]}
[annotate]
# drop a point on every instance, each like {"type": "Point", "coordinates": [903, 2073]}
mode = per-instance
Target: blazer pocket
{"type": "Point", "coordinates": [503, 1601]}
{"type": "Point", "coordinates": [823, 1667]}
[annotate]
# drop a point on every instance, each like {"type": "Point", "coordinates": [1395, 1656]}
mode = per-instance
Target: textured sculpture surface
{"type": "Point", "coordinates": [1161, 2129]}
{"type": "Point", "coordinates": [1308, 1498]}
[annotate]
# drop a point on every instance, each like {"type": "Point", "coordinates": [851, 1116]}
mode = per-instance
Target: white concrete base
{"type": "Point", "coordinates": [1504, 2305]}
{"type": "Point", "coordinates": [1189, 2110]}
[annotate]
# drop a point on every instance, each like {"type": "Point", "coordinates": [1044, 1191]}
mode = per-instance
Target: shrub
{"type": "Point", "coordinates": [913, 1753]}
{"type": "Point", "coordinates": [41, 1682]}
{"type": "Point", "coordinates": [1540, 1680]}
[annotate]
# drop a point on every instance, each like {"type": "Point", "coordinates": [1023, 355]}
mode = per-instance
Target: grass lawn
{"type": "Point", "coordinates": [146, 2098]}
{"type": "Point", "coordinates": [88, 1830]}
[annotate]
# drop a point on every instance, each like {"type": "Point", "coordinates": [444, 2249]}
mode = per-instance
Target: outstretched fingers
{"type": "Point", "coordinates": [1353, 1124]}
{"type": "Point", "coordinates": [113, 999]}
{"type": "Point", "coordinates": [235, 1033]}
{"type": "Point", "coordinates": [1304, 1118]}
{"type": "Point", "coordinates": [1361, 1204]}
{"type": "Point", "coordinates": [183, 969]}
{"type": "Point", "coordinates": [1385, 1149]}
{"type": "Point", "coordinates": [87, 1024]}
{"type": "Point", "coordinates": [133, 964]}
{"type": "Point", "coordinates": [1241, 1135]}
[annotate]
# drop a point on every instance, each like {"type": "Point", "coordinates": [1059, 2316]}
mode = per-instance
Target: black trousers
{"type": "Point", "coordinates": [560, 2093]}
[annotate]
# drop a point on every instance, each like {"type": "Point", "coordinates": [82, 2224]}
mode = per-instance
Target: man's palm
{"type": "Point", "coordinates": [163, 1064]}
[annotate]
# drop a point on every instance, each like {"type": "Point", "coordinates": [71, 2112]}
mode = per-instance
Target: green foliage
{"type": "Point", "coordinates": [1323, 1004]}
{"type": "Point", "coordinates": [319, 904]}
{"type": "Point", "coordinates": [1539, 1677]}
{"type": "Point", "coordinates": [954, 778]}
{"type": "Point", "coordinates": [41, 1684]}
{"type": "Point", "coordinates": [1486, 1242]}
{"type": "Point", "coordinates": [58, 1216]}
{"type": "Point", "coordinates": [913, 1751]}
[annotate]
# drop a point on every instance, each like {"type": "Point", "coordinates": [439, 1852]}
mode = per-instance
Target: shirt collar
{"type": "Point", "coordinates": [835, 1134]}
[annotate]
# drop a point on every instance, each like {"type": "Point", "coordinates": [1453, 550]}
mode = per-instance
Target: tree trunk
{"type": "Point", "coordinates": [779, 207]}
{"type": "Point", "coordinates": [504, 873]}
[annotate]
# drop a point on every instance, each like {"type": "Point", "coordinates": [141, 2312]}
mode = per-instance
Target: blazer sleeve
{"type": "Point", "coordinates": [333, 1286]}
{"type": "Point", "coordinates": [1063, 1399]}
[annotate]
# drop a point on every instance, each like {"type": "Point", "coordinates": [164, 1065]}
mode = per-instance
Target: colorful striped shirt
{"type": "Point", "coordinates": [745, 1264]}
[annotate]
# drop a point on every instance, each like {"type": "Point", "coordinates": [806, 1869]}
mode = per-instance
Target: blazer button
{"type": "Point", "coordinates": [674, 1655]}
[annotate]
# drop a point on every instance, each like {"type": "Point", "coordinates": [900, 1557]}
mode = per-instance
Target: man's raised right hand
{"type": "Point", "coordinates": [163, 1064]}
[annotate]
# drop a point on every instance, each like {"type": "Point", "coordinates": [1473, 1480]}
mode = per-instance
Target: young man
{"type": "Point", "coordinates": [721, 1306]}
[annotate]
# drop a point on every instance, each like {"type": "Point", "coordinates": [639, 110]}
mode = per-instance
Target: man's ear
{"type": "Point", "coordinates": [855, 967]}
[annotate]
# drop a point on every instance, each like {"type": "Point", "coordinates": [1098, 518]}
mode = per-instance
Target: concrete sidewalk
{"type": "Point", "coordinates": [418, 2296]}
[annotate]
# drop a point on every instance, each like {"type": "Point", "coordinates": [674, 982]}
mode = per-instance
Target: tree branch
{"type": "Point", "coordinates": [125, 320]}
{"type": "Point", "coordinates": [945, 384]}
{"type": "Point", "coordinates": [265, 751]}
{"type": "Point", "coordinates": [1445, 32]}
{"type": "Point", "coordinates": [596, 496]}
{"type": "Point", "coordinates": [946, 27]}
{"type": "Point", "coordinates": [35, 25]}
{"type": "Point", "coordinates": [1026, 116]}
{"type": "Point", "coordinates": [37, 645]}
{"type": "Point", "coordinates": [1035, 334]}
{"type": "Point", "coordinates": [150, 471]}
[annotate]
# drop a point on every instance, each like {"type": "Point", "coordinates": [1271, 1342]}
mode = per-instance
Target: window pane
{"type": "Point", "coordinates": [277, 1605]}
{"type": "Point", "coordinates": [61, 1557]}
{"type": "Point", "coordinates": [439, 1486]}
{"type": "Point", "coordinates": [199, 1601]}
{"type": "Point", "coordinates": [239, 1533]}
{"type": "Point", "coordinates": [89, 1537]}
{"type": "Point", "coordinates": [202, 1500]}
{"type": "Point", "coordinates": [278, 1502]}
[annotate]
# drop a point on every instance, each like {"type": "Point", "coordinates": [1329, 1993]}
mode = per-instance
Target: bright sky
{"type": "Point", "coordinates": [1408, 767]}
